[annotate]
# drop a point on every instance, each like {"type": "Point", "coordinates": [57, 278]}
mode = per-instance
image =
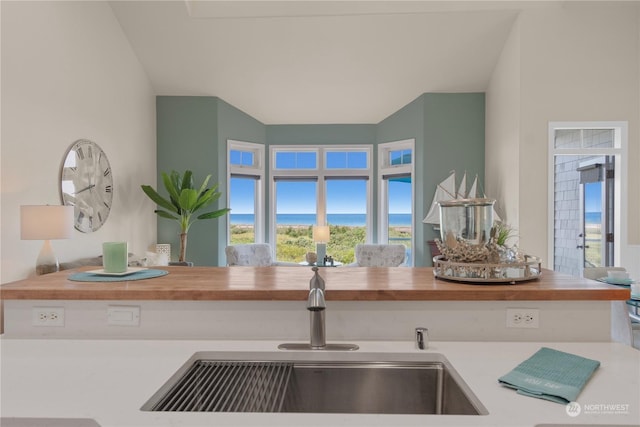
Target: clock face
{"type": "Point", "coordinates": [86, 183]}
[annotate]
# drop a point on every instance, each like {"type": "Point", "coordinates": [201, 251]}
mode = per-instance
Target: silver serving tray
{"type": "Point", "coordinates": [488, 273]}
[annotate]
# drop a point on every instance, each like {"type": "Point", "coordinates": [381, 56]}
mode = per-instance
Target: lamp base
{"type": "Point", "coordinates": [47, 261]}
{"type": "Point", "coordinates": [321, 250]}
{"type": "Point", "coordinates": [46, 268]}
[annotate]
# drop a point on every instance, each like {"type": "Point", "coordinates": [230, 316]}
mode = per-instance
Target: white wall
{"type": "Point", "coordinates": [577, 62]}
{"type": "Point", "coordinates": [630, 259]}
{"type": "Point", "coordinates": [68, 73]}
{"type": "Point", "coordinates": [345, 320]}
{"type": "Point", "coordinates": [502, 130]}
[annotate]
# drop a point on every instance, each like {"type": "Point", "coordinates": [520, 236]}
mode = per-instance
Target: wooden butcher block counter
{"type": "Point", "coordinates": [292, 284]}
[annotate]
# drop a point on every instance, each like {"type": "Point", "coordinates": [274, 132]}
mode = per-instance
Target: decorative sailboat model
{"type": "Point", "coordinates": [446, 191]}
{"type": "Point", "coordinates": [469, 248]}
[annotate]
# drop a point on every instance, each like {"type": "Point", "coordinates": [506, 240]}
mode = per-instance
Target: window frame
{"type": "Point", "coordinates": [620, 153]}
{"type": "Point", "coordinates": [256, 171]}
{"type": "Point", "coordinates": [385, 168]}
{"type": "Point", "coordinates": [320, 173]}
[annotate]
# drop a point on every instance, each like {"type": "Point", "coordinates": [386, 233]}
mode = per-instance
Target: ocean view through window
{"type": "Point", "coordinates": [396, 185]}
{"type": "Point", "coordinates": [322, 185]}
{"type": "Point", "coordinates": [319, 185]}
{"type": "Point", "coordinates": [245, 183]}
{"type": "Point", "coordinates": [356, 220]}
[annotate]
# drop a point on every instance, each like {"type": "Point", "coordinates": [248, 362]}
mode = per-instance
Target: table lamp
{"type": "Point", "coordinates": [46, 223]}
{"type": "Point", "coordinates": [321, 237]}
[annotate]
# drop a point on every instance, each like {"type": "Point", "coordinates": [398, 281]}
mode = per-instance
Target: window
{"type": "Point", "coordinates": [327, 185]}
{"type": "Point", "coordinates": [245, 158]}
{"type": "Point", "coordinates": [396, 176]}
{"type": "Point", "coordinates": [245, 175]}
{"type": "Point", "coordinates": [346, 206]}
{"type": "Point", "coordinates": [346, 160]}
{"type": "Point", "coordinates": [588, 176]}
{"type": "Point", "coordinates": [399, 157]}
{"type": "Point", "coordinates": [296, 160]}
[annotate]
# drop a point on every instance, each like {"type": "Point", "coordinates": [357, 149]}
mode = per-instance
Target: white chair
{"type": "Point", "coordinates": [622, 330]}
{"type": "Point", "coordinates": [252, 254]}
{"type": "Point", "coordinates": [379, 255]}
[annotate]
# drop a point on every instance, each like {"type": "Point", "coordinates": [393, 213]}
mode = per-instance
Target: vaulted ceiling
{"type": "Point", "coordinates": [303, 62]}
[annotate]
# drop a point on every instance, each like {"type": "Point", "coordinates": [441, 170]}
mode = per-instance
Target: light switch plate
{"type": "Point", "coordinates": [123, 315]}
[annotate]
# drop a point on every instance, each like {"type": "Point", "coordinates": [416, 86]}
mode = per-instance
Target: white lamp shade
{"type": "Point", "coordinates": [320, 233]}
{"type": "Point", "coordinates": [45, 222]}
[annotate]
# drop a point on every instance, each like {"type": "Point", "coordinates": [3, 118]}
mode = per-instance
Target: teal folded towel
{"type": "Point", "coordinates": [552, 375]}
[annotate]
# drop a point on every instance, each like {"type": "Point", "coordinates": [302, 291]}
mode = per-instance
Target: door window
{"type": "Point", "coordinates": [585, 202]}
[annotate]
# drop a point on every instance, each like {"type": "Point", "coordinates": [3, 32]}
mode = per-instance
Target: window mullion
{"type": "Point", "coordinates": [322, 200]}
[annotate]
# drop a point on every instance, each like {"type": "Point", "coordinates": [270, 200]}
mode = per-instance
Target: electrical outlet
{"type": "Point", "coordinates": [523, 318]}
{"type": "Point", "coordinates": [48, 316]}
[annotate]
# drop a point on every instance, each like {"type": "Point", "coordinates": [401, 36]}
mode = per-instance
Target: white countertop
{"type": "Point", "coordinates": [109, 380]}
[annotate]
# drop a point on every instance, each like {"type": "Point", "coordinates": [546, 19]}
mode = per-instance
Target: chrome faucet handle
{"type": "Point", "coordinates": [422, 338]}
{"type": "Point", "coordinates": [316, 281]}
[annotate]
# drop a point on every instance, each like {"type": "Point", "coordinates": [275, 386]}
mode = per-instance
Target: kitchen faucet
{"type": "Point", "coordinates": [316, 305]}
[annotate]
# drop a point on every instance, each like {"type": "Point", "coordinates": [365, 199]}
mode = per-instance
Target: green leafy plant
{"type": "Point", "coordinates": [184, 201]}
{"type": "Point", "coordinates": [502, 232]}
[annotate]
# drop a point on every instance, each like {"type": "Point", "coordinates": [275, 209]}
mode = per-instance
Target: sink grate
{"type": "Point", "coordinates": [225, 386]}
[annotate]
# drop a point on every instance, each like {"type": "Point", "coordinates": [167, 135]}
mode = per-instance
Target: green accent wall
{"type": "Point", "coordinates": [454, 126]}
{"type": "Point", "coordinates": [236, 125]}
{"type": "Point", "coordinates": [448, 129]}
{"type": "Point", "coordinates": [321, 134]}
{"type": "Point", "coordinates": [192, 132]}
{"type": "Point", "coordinates": [408, 123]}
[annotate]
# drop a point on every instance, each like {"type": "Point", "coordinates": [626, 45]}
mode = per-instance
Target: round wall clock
{"type": "Point", "coordinates": [86, 183]}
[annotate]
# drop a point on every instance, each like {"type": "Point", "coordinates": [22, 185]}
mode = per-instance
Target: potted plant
{"type": "Point", "coordinates": [502, 232]}
{"type": "Point", "coordinates": [184, 201]}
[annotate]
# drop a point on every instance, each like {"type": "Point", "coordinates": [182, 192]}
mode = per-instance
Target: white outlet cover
{"type": "Point", "coordinates": [47, 316]}
{"type": "Point", "coordinates": [529, 318]}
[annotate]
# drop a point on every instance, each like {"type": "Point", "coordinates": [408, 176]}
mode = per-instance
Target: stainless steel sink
{"type": "Point", "coordinates": [317, 383]}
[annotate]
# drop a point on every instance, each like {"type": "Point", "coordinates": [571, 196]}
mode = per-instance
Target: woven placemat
{"type": "Point", "coordinates": [137, 275]}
